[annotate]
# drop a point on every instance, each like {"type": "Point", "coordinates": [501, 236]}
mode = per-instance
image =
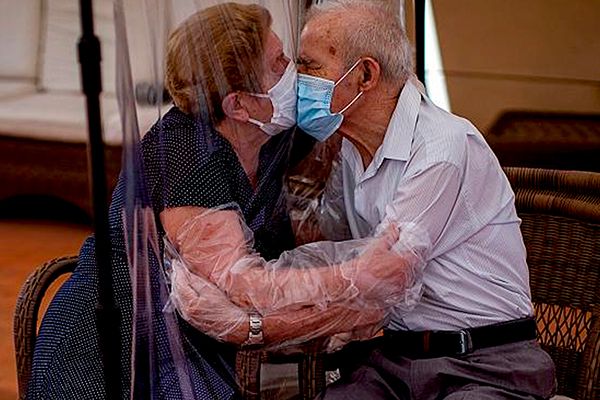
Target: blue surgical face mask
{"type": "Point", "coordinates": [314, 105]}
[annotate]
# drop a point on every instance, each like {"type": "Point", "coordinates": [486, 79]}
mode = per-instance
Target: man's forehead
{"type": "Point", "coordinates": [317, 37]}
{"type": "Point", "coordinates": [321, 27]}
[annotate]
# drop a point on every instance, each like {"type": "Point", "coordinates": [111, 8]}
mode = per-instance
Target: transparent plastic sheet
{"type": "Point", "coordinates": [164, 355]}
{"type": "Point", "coordinates": [151, 326]}
{"type": "Point", "coordinates": [344, 287]}
{"type": "Point", "coordinates": [141, 236]}
{"type": "Point", "coordinates": [238, 198]}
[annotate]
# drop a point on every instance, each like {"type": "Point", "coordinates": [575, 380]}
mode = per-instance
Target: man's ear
{"type": "Point", "coordinates": [371, 74]}
{"type": "Point", "coordinates": [233, 108]}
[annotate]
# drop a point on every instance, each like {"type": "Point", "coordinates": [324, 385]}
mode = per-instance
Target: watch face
{"type": "Point", "coordinates": [255, 334]}
{"type": "Point", "coordinates": [255, 322]}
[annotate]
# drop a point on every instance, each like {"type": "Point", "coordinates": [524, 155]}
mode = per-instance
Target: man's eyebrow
{"type": "Point", "coordinates": [304, 61]}
{"type": "Point", "coordinates": [301, 60]}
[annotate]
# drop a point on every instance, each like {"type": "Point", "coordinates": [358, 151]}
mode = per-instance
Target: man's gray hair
{"type": "Point", "coordinates": [370, 28]}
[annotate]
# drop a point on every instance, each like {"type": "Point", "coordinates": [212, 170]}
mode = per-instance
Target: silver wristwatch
{"type": "Point", "coordinates": [255, 333]}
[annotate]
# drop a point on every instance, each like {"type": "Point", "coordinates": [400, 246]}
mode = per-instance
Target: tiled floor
{"type": "Point", "coordinates": [25, 244]}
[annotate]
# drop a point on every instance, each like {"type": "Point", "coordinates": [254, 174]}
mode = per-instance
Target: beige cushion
{"type": "Point", "coordinates": [147, 116]}
{"type": "Point", "coordinates": [60, 68]}
{"type": "Point", "coordinates": [19, 38]}
{"type": "Point", "coordinates": [11, 88]}
{"type": "Point", "coordinates": [50, 116]}
{"type": "Point", "coordinates": [62, 117]}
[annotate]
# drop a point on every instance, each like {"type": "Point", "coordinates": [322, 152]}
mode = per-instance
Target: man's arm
{"type": "Point", "coordinates": [425, 200]}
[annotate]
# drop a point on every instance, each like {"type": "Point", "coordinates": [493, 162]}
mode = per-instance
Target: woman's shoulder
{"type": "Point", "coordinates": [182, 155]}
{"type": "Point", "coordinates": [178, 132]}
{"type": "Point", "coordinates": [174, 122]}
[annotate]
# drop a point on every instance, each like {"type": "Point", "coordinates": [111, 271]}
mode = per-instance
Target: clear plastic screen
{"type": "Point", "coordinates": [219, 200]}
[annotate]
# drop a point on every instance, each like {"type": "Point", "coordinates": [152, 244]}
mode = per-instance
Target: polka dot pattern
{"type": "Point", "coordinates": [185, 163]}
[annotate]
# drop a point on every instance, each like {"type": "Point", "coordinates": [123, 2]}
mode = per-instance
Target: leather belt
{"type": "Point", "coordinates": [431, 344]}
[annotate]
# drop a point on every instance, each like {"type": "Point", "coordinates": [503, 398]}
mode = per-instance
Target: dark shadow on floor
{"type": "Point", "coordinates": [42, 208]}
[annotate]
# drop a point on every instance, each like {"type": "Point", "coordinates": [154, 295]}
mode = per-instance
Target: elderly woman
{"type": "Point", "coordinates": [234, 90]}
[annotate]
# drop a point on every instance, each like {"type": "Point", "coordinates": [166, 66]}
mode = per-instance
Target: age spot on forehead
{"type": "Point", "coordinates": [332, 50]}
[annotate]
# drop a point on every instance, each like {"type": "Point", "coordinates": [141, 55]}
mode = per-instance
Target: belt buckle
{"type": "Point", "coordinates": [465, 342]}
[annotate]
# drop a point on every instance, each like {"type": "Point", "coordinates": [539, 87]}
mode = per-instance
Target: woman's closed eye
{"type": "Point", "coordinates": [280, 64]}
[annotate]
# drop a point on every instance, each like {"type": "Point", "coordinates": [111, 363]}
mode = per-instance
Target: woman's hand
{"type": "Point", "coordinates": [379, 268]}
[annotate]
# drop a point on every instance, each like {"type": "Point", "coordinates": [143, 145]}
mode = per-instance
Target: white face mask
{"type": "Point", "coordinates": [283, 97]}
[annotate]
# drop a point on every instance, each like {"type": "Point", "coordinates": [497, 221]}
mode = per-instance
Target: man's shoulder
{"type": "Point", "coordinates": [443, 136]}
{"type": "Point", "coordinates": [438, 122]}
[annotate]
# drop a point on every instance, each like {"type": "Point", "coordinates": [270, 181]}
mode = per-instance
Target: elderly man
{"type": "Point", "coordinates": [471, 334]}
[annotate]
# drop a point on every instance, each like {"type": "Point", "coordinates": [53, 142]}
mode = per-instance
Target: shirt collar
{"type": "Point", "coordinates": [399, 134]}
{"type": "Point", "coordinates": [400, 131]}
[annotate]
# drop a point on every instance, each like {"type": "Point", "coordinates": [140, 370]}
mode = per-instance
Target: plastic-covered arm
{"type": "Point", "coordinates": [204, 306]}
{"type": "Point", "coordinates": [368, 273]}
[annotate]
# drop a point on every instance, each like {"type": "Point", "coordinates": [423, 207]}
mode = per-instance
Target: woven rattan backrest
{"type": "Point", "coordinates": [561, 228]}
{"type": "Point", "coordinates": [26, 313]}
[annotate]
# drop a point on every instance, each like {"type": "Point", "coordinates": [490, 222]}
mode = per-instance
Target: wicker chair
{"type": "Point", "coordinates": [561, 228]}
{"type": "Point", "coordinates": [27, 310]}
{"type": "Point", "coordinates": [311, 370]}
{"type": "Point", "coordinates": [248, 363]}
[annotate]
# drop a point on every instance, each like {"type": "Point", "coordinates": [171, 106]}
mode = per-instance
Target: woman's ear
{"type": "Point", "coordinates": [233, 108]}
{"type": "Point", "coordinates": [371, 74]}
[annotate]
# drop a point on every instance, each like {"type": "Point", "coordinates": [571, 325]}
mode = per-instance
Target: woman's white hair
{"type": "Point", "coordinates": [369, 28]}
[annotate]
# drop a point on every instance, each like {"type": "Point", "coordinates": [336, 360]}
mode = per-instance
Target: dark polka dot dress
{"type": "Point", "coordinates": [185, 163]}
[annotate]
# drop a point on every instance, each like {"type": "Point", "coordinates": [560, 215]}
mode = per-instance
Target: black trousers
{"type": "Point", "coordinates": [519, 370]}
